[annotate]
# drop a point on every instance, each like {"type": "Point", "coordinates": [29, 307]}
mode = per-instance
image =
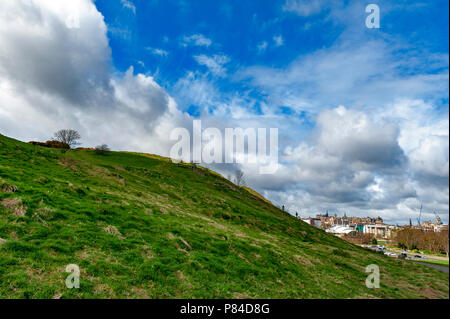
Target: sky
{"type": "Point", "coordinates": [362, 114]}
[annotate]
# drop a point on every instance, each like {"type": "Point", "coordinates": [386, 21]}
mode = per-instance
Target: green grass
{"type": "Point", "coordinates": [139, 226]}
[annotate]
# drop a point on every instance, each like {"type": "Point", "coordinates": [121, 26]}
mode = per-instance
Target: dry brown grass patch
{"type": "Point", "coordinates": [15, 205]}
{"type": "Point", "coordinates": [112, 230]}
{"type": "Point", "coordinates": [302, 260]}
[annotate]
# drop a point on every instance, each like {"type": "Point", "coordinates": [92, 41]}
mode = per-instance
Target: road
{"type": "Point", "coordinates": [410, 254]}
{"type": "Point", "coordinates": [438, 267]}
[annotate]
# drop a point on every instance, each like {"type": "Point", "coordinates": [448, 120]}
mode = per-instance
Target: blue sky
{"type": "Point", "coordinates": [362, 113]}
{"type": "Point", "coordinates": [247, 33]}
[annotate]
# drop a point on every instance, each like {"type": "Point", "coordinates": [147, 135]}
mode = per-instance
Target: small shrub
{"type": "Point", "coordinates": [37, 143]}
{"type": "Point", "coordinates": [102, 149]}
{"type": "Point", "coordinates": [51, 144]}
{"type": "Point", "coordinates": [57, 144]}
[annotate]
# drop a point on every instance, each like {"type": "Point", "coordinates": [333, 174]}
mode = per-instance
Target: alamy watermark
{"type": "Point", "coordinates": [373, 19]}
{"type": "Point", "coordinates": [373, 279]}
{"type": "Point", "coordinates": [211, 146]}
{"type": "Point", "coordinates": [73, 280]}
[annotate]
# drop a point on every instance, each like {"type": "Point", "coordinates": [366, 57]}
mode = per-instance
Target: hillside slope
{"type": "Point", "coordinates": [139, 226]}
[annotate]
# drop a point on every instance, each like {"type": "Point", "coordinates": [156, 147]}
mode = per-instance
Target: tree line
{"type": "Point", "coordinates": [67, 139]}
{"type": "Point", "coordinates": [413, 238]}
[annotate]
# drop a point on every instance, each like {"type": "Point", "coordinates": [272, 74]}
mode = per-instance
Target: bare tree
{"type": "Point", "coordinates": [69, 137]}
{"type": "Point", "coordinates": [102, 149]}
{"type": "Point", "coordinates": [411, 238]}
{"type": "Point", "coordinates": [443, 241]}
{"type": "Point", "coordinates": [239, 178]}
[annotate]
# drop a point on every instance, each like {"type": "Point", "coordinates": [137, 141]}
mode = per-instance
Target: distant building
{"type": "Point", "coordinates": [341, 230]}
{"type": "Point", "coordinates": [359, 227]}
{"type": "Point", "coordinates": [367, 225]}
{"type": "Point", "coordinates": [379, 231]}
{"type": "Point", "coordinates": [433, 226]}
{"type": "Point", "coordinates": [440, 228]}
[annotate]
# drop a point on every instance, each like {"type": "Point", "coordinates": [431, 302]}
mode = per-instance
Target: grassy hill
{"type": "Point", "coordinates": [139, 226]}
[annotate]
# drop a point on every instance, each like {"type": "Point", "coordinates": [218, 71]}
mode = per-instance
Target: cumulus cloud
{"type": "Point", "coordinates": [431, 157]}
{"type": "Point", "coordinates": [424, 137]}
{"type": "Point", "coordinates": [354, 161]}
{"type": "Point", "coordinates": [52, 77]}
{"type": "Point", "coordinates": [352, 136]}
{"type": "Point", "coordinates": [346, 154]}
{"type": "Point", "coordinates": [39, 51]}
{"type": "Point", "coordinates": [382, 156]}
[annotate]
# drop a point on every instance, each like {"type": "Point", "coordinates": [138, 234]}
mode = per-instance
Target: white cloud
{"type": "Point", "coordinates": [214, 63]}
{"type": "Point", "coordinates": [431, 157]}
{"type": "Point", "coordinates": [303, 8]}
{"type": "Point", "coordinates": [424, 136]}
{"type": "Point", "coordinates": [157, 51]}
{"type": "Point", "coordinates": [380, 155]}
{"type": "Point", "coordinates": [323, 77]}
{"type": "Point", "coordinates": [279, 41]}
{"type": "Point", "coordinates": [128, 5]}
{"type": "Point", "coordinates": [352, 136]}
{"type": "Point", "coordinates": [377, 157]}
{"type": "Point", "coordinates": [64, 81]}
{"type": "Point", "coordinates": [196, 39]}
{"type": "Point", "coordinates": [262, 46]}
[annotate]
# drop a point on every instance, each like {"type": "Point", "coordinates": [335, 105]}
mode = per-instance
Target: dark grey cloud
{"type": "Point", "coordinates": [40, 51]}
{"type": "Point", "coordinates": [55, 74]}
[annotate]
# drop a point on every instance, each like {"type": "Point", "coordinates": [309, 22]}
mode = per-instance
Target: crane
{"type": "Point", "coordinates": [420, 214]}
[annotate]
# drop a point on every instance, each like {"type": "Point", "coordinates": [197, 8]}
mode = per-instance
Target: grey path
{"type": "Point", "coordinates": [438, 267]}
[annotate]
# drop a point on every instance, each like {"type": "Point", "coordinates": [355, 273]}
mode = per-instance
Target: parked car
{"type": "Point", "coordinates": [417, 256]}
{"type": "Point", "coordinates": [390, 254]}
